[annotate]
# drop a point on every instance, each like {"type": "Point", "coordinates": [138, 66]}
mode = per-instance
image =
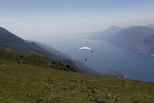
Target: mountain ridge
{"type": "Point", "coordinates": [106, 34]}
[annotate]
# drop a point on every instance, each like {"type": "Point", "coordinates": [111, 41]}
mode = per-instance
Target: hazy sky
{"type": "Point", "coordinates": [33, 19]}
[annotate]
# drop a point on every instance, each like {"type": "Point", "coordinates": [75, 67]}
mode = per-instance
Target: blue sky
{"type": "Point", "coordinates": [47, 18]}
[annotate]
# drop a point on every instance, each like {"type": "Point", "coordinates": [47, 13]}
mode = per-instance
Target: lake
{"type": "Point", "coordinates": [109, 58]}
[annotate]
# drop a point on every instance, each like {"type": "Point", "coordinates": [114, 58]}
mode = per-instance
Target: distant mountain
{"type": "Point", "coordinates": [145, 45]}
{"type": "Point", "coordinates": [135, 38]}
{"type": "Point", "coordinates": [150, 25]}
{"type": "Point", "coordinates": [128, 37]}
{"type": "Point", "coordinates": [106, 34]}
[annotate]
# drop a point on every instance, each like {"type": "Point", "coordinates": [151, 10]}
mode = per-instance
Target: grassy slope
{"type": "Point", "coordinates": [35, 84]}
{"type": "Point", "coordinates": [31, 58]}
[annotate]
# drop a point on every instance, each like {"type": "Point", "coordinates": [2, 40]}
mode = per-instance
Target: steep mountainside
{"type": "Point", "coordinates": [128, 37]}
{"type": "Point", "coordinates": [10, 40]}
{"type": "Point", "coordinates": [145, 45]}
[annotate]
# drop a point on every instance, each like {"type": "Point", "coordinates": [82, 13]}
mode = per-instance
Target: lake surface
{"type": "Point", "coordinates": [110, 58]}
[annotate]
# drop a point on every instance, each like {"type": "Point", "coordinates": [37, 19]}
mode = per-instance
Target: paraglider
{"type": "Point", "coordinates": [86, 48]}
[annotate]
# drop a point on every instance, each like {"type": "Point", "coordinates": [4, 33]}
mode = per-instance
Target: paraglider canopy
{"type": "Point", "coordinates": [86, 48]}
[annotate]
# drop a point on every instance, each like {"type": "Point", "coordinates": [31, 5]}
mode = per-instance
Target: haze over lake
{"type": "Point", "coordinates": [106, 58]}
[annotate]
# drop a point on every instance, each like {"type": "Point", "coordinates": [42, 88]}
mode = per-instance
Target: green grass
{"type": "Point", "coordinates": [35, 84]}
{"type": "Point", "coordinates": [31, 58]}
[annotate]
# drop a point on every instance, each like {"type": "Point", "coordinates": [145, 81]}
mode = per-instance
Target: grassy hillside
{"type": "Point", "coordinates": [33, 82]}
{"type": "Point", "coordinates": [31, 58]}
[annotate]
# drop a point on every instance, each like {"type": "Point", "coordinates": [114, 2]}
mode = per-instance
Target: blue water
{"type": "Point", "coordinates": [110, 58]}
